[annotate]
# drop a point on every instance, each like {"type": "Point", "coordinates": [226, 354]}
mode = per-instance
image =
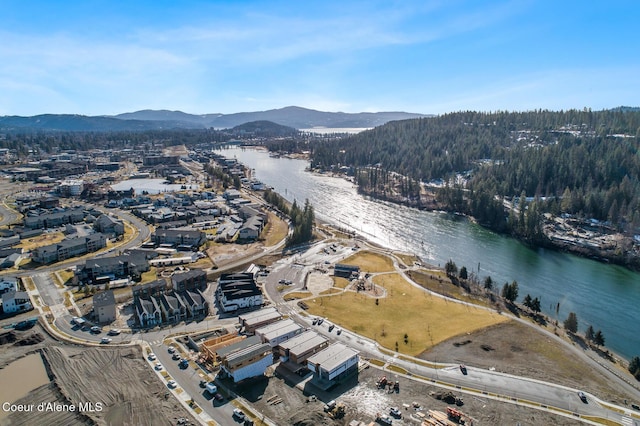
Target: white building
{"type": "Point", "coordinates": [16, 301]}
{"type": "Point", "coordinates": [246, 359]}
{"type": "Point", "coordinates": [238, 291]}
{"type": "Point", "coordinates": [71, 187]}
{"type": "Point", "coordinates": [333, 363]}
{"type": "Point", "coordinates": [279, 331]}
{"type": "Point", "coordinates": [299, 348]}
{"type": "Point", "coordinates": [256, 319]}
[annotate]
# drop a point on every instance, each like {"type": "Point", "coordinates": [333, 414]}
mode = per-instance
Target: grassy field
{"type": "Point", "coordinates": [438, 282]}
{"type": "Point", "coordinates": [407, 259]}
{"type": "Point", "coordinates": [41, 240]}
{"type": "Point", "coordinates": [370, 262]}
{"type": "Point", "coordinates": [275, 230]}
{"type": "Point", "coordinates": [406, 310]}
{"type": "Point", "coordinates": [340, 282]}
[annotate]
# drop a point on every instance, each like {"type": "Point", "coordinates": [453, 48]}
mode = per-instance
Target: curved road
{"type": "Point", "coordinates": [482, 383]}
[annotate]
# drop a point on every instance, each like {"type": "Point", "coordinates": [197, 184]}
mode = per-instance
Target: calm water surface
{"type": "Point", "coordinates": [604, 296]}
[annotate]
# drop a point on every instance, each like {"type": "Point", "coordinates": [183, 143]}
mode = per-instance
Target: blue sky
{"type": "Point", "coordinates": [109, 57]}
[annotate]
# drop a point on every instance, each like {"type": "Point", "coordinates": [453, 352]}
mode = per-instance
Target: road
{"type": "Point", "coordinates": [189, 380]}
{"type": "Point", "coordinates": [482, 382]}
{"type": "Point", "coordinates": [295, 269]}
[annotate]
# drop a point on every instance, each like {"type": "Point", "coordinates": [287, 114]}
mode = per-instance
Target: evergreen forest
{"type": "Point", "coordinates": [579, 162]}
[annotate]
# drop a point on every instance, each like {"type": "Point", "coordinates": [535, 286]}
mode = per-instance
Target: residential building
{"type": "Point", "coordinates": [71, 187]}
{"type": "Point", "coordinates": [238, 291]}
{"type": "Point", "coordinates": [104, 306]}
{"type": "Point", "coordinates": [256, 319]}
{"type": "Point", "coordinates": [195, 279]}
{"type": "Point", "coordinates": [16, 301]}
{"type": "Point", "coordinates": [68, 248]}
{"type": "Point", "coordinates": [245, 359]}
{"type": "Point", "coordinates": [8, 284]}
{"type": "Point", "coordinates": [251, 228]}
{"type": "Point", "coordinates": [332, 364]}
{"type": "Point", "coordinates": [195, 303]}
{"type": "Point", "coordinates": [117, 267]}
{"type": "Point", "coordinates": [177, 237]}
{"type": "Point", "coordinates": [173, 310]}
{"type": "Point", "coordinates": [304, 345]}
{"type": "Point", "coordinates": [109, 225]}
{"type": "Point", "coordinates": [10, 261]}
{"type": "Point", "coordinates": [279, 331]}
{"type": "Point", "coordinates": [52, 220]}
{"type": "Point", "coordinates": [148, 313]}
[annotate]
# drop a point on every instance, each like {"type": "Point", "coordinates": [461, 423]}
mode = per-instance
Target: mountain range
{"type": "Point", "coordinates": [292, 116]}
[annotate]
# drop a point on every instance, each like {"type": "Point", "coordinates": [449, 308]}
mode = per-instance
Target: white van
{"type": "Point", "coordinates": [211, 388]}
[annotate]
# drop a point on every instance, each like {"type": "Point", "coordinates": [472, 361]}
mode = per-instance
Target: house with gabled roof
{"type": "Point", "coordinates": [148, 312]}
{"type": "Point", "coordinates": [195, 302]}
{"type": "Point", "coordinates": [173, 310]}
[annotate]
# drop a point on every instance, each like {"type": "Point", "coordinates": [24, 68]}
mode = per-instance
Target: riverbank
{"type": "Point", "coordinates": [586, 238]}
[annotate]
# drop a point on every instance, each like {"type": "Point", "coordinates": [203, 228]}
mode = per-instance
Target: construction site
{"type": "Point", "coordinates": [375, 396]}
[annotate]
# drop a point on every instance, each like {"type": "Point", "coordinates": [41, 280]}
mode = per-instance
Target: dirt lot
{"type": "Point", "coordinates": [517, 349]}
{"type": "Point", "coordinates": [363, 400]}
{"type": "Point", "coordinates": [118, 378]}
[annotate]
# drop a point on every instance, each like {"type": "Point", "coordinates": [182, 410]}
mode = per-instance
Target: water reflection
{"type": "Point", "coordinates": [604, 296]}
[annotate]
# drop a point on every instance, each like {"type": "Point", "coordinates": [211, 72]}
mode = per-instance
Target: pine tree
{"type": "Point", "coordinates": [590, 333]}
{"type": "Point", "coordinates": [571, 323]}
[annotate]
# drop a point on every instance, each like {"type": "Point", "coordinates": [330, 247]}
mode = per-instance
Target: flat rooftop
{"type": "Point", "coordinates": [278, 328]}
{"type": "Point", "coordinates": [333, 356]}
{"type": "Point", "coordinates": [257, 317]}
{"type": "Point", "coordinates": [304, 342]}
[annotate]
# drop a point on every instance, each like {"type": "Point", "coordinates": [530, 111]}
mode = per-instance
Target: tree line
{"type": "Point", "coordinates": [579, 162]}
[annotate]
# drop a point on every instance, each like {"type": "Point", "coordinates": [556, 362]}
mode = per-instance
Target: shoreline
{"type": "Point", "coordinates": [342, 227]}
{"type": "Point", "coordinates": [576, 248]}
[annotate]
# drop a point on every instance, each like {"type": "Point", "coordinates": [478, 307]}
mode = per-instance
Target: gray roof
{"type": "Point", "coordinates": [104, 298]}
{"type": "Point", "coordinates": [278, 328]}
{"type": "Point", "coordinates": [245, 343]}
{"type": "Point", "coordinates": [304, 342]}
{"type": "Point", "coordinates": [333, 356]}
{"type": "Point", "coordinates": [242, 355]}
{"type": "Point", "coordinates": [257, 317]}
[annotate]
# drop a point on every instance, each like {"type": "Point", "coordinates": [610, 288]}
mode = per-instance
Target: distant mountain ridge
{"type": "Point", "coordinates": [292, 116]}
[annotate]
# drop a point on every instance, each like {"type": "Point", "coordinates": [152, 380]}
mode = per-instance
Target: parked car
{"type": "Point", "coordinates": [152, 357]}
{"type": "Point", "coordinates": [158, 366]}
{"type": "Point", "coordinates": [171, 349]}
{"type": "Point", "coordinates": [582, 397]}
{"type": "Point", "coordinates": [96, 329]}
{"type": "Point", "coordinates": [239, 414]}
{"type": "Point", "coordinates": [635, 407]}
{"type": "Point", "coordinates": [385, 420]}
{"type": "Point", "coordinates": [331, 327]}
{"type": "Point", "coordinates": [218, 397]}
{"type": "Point", "coordinates": [463, 368]}
{"type": "Point", "coordinates": [395, 412]}
{"type": "Point", "coordinates": [203, 383]}
{"type": "Point", "coordinates": [339, 331]}
{"type": "Point", "coordinates": [172, 384]}
{"type": "Point", "coordinates": [176, 356]}
{"type": "Point", "coordinates": [114, 331]}
{"type": "Point", "coordinates": [105, 340]}
{"type": "Point", "coordinates": [184, 363]}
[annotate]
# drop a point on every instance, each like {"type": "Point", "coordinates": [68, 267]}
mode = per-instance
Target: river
{"type": "Point", "coordinates": [604, 296]}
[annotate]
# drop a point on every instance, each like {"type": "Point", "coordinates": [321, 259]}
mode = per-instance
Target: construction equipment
{"type": "Point", "coordinates": [382, 382]}
{"type": "Point", "coordinates": [454, 414]}
{"type": "Point", "coordinates": [337, 412]}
